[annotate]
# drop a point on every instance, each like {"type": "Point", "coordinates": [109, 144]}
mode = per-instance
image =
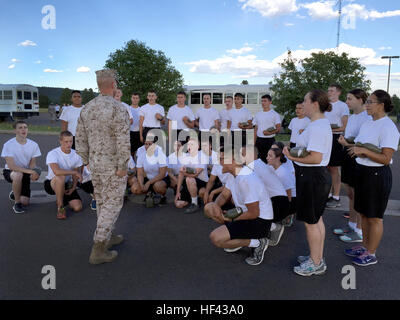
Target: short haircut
{"type": "Point", "coordinates": [75, 91]}
{"type": "Point", "coordinates": [238, 94]}
{"type": "Point", "coordinates": [152, 91]}
{"type": "Point", "coordinates": [228, 97]}
{"type": "Point", "coordinates": [181, 92]}
{"type": "Point", "coordinates": [337, 86]}
{"type": "Point", "coordinates": [299, 102]}
{"type": "Point", "coordinates": [65, 134]}
{"type": "Point", "coordinates": [207, 94]}
{"type": "Point", "coordinates": [267, 96]}
{"type": "Point", "coordinates": [135, 94]}
{"type": "Point", "coordinates": [15, 124]}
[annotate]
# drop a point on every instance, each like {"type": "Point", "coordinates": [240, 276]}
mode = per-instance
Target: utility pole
{"type": "Point", "coordinates": [339, 24]}
{"type": "Point", "coordinates": [390, 64]}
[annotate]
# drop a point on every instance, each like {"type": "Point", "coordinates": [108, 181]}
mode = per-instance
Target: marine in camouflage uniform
{"type": "Point", "coordinates": [103, 142]}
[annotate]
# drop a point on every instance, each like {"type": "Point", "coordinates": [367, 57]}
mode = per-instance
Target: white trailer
{"type": "Point", "coordinates": [18, 100]}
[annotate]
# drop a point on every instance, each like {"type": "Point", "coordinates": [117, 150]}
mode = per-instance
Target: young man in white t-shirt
{"type": "Point", "coordinates": [118, 96]}
{"type": "Point", "coordinates": [64, 173]}
{"type": "Point", "coordinates": [70, 115]}
{"type": "Point", "coordinates": [207, 117]}
{"type": "Point", "coordinates": [152, 116]}
{"type": "Point", "coordinates": [180, 118]}
{"type": "Point", "coordinates": [20, 154]}
{"type": "Point", "coordinates": [298, 124]}
{"type": "Point", "coordinates": [239, 120]}
{"type": "Point", "coordinates": [339, 117]}
{"type": "Point", "coordinates": [267, 124]}
{"type": "Point", "coordinates": [134, 129]}
{"type": "Point", "coordinates": [224, 114]}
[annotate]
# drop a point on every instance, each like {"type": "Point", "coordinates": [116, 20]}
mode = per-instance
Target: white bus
{"type": "Point", "coordinates": [252, 94]}
{"type": "Point", "coordinates": [18, 100]}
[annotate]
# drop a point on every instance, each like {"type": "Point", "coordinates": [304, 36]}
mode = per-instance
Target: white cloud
{"type": "Point", "coordinates": [28, 43]}
{"type": "Point", "coordinates": [38, 62]}
{"type": "Point", "coordinates": [321, 10]}
{"type": "Point", "coordinates": [289, 24]}
{"type": "Point", "coordinates": [15, 60]}
{"type": "Point", "coordinates": [52, 71]}
{"type": "Point", "coordinates": [51, 56]}
{"type": "Point", "coordinates": [250, 66]}
{"type": "Point", "coordinates": [240, 51]}
{"type": "Point", "coordinates": [11, 66]}
{"type": "Point", "coordinates": [83, 69]}
{"type": "Point", "coordinates": [385, 48]}
{"type": "Point", "coordinates": [270, 8]}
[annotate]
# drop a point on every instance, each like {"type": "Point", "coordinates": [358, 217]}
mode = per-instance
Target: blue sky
{"type": "Point", "coordinates": [208, 41]}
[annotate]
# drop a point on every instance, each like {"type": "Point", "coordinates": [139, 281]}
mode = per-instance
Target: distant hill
{"type": "Point", "coordinates": [53, 94]}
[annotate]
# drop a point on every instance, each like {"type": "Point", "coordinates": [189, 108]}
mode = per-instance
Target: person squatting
{"type": "Point", "coordinates": [226, 163]}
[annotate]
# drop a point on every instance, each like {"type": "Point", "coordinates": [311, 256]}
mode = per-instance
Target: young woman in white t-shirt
{"type": "Point", "coordinates": [373, 180]}
{"type": "Point", "coordinates": [313, 181]}
{"type": "Point", "coordinates": [276, 159]}
{"type": "Point", "coordinates": [355, 100]}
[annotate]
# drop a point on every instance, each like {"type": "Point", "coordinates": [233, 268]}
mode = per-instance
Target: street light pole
{"type": "Point", "coordinates": [390, 64]}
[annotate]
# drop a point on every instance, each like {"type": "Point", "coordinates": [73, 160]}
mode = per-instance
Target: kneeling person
{"type": "Point", "coordinates": [64, 167]}
{"type": "Point", "coordinates": [251, 228]}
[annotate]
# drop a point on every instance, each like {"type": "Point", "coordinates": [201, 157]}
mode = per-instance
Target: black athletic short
{"type": "Point", "coordinates": [348, 170]}
{"type": "Point", "coordinates": [292, 145]}
{"type": "Point", "coordinates": [166, 179]}
{"type": "Point", "coordinates": [293, 204]}
{"type": "Point", "coordinates": [67, 198]}
{"type": "Point", "coordinates": [87, 187]}
{"type": "Point", "coordinates": [249, 229]}
{"type": "Point", "coordinates": [281, 207]}
{"type": "Point", "coordinates": [73, 142]}
{"type": "Point", "coordinates": [263, 145]}
{"type": "Point", "coordinates": [26, 182]}
{"type": "Point", "coordinates": [313, 185]}
{"type": "Point", "coordinates": [371, 190]}
{"type": "Point", "coordinates": [185, 194]}
{"type": "Point", "coordinates": [239, 137]}
{"type": "Point", "coordinates": [135, 141]}
{"type": "Point", "coordinates": [337, 153]}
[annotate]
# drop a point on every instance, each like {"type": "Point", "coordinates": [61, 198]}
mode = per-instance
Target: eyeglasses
{"type": "Point", "coordinates": [371, 102]}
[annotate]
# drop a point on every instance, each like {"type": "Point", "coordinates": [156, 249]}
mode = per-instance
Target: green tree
{"type": "Point", "coordinates": [141, 68]}
{"type": "Point", "coordinates": [87, 95]}
{"type": "Point", "coordinates": [65, 96]}
{"type": "Point", "coordinates": [396, 104]}
{"type": "Point", "coordinates": [316, 72]}
{"type": "Point", "coordinates": [44, 101]}
{"type": "Point", "coordinates": [244, 82]}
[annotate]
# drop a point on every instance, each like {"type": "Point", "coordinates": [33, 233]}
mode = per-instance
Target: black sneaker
{"type": "Point", "coordinates": [18, 208]}
{"type": "Point", "coordinates": [11, 196]}
{"type": "Point", "coordinates": [192, 208]}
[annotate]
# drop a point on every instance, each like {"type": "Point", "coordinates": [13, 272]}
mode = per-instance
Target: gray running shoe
{"type": "Point", "coordinates": [342, 231]}
{"type": "Point", "coordinates": [258, 253]}
{"type": "Point", "coordinates": [308, 268]}
{"type": "Point", "coordinates": [18, 208]}
{"type": "Point", "coordinates": [301, 259]}
{"type": "Point", "coordinates": [11, 196]}
{"type": "Point", "coordinates": [192, 208]}
{"type": "Point", "coordinates": [276, 235]}
{"type": "Point", "coordinates": [333, 203]}
{"type": "Point", "coordinates": [351, 237]}
{"type": "Point", "coordinates": [232, 250]}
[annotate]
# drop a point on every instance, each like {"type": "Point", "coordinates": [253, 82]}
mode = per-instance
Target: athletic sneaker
{"type": "Point", "coordinates": [346, 215]}
{"type": "Point", "coordinates": [301, 259]}
{"type": "Point", "coordinates": [288, 221]}
{"type": "Point", "coordinates": [355, 251]}
{"type": "Point", "coordinates": [351, 237]}
{"type": "Point", "coordinates": [61, 214]}
{"type": "Point", "coordinates": [93, 205]}
{"type": "Point", "coordinates": [365, 259]}
{"type": "Point", "coordinates": [342, 231]}
{"type": "Point", "coordinates": [11, 196]}
{"type": "Point", "coordinates": [333, 203]}
{"type": "Point", "coordinates": [18, 208]}
{"type": "Point", "coordinates": [232, 250]}
{"type": "Point", "coordinates": [308, 268]}
{"type": "Point", "coordinates": [258, 253]}
{"type": "Point", "coordinates": [192, 208]}
{"type": "Point", "coordinates": [276, 235]}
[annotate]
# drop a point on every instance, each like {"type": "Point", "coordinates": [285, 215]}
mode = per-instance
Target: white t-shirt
{"type": "Point", "coordinates": [287, 178]}
{"type": "Point", "coordinates": [296, 125]}
{"type": "Point", "coordinates": [268, 176]}
{"type": "Point", "coordinates": [136, 118]}
{"type": "Point", "coordinates": [22, 154]}
{"type": "Point", "coordinates": [209, 159]}
{"type": "Point", "coordinates": [86, 176]}
{"type": "Point", "coordinates": [152, 164]}
{"type": "Point", "coordinates": [339, 109]}
{"type": "Point", "coordinates": [223, 115]}
{"type": "Point", "coordinates": [223, 177]}
{"type": "Point", "coordinates": [175, 163]}
{"type": "Point", "coordinates": [176, 114]}
{"type": "Point", "coordinates": [247, 188]}
{"type": "Point", "coordinates": [317, 137]}
{"type": "Point", "coordinates": [131, 163]}
{"type": "Point", "coordinates": [381, 133]}
{"type": "Point", "coordinates": [195, 162]}
{"type": "Point", "coordinates": [65, 161]}
{"type": "Point", "coordinates": [149, 113]}
{"type": "Point", "coordinates": [128, 108]}
{"type": "Point", "coordinates": [71, 115]}
{"type": "Point", "coordinates": [207, 118]}
{"type": "Point", "coordinates": [289, 165]}
{"type": "Point", "coordinates": [142, 149]}
{"type": "Point", "coordinates": [237, 116]}
{"type": "Point", "coordinates": [354, 124]}
{"type": "Point", "coordinates": [265, 120]}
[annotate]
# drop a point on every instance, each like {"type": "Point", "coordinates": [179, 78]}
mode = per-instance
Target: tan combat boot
{"type": "Point", "coordinates": [100, 254]}
{"type": "Point", "coordinates": [114, 240]}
